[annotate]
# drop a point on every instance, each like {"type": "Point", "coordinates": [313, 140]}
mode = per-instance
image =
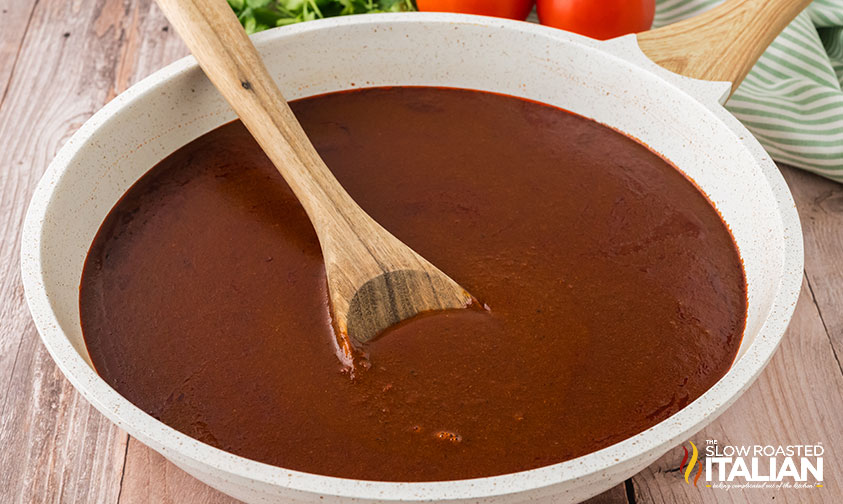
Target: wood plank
{"type": "Point", "coordinates": [55, 447]}
{"type": "Point", "coordinates": [151, 479]}
{"type": "Point", "coordinates": [615, 495]}
{"type": "Point", "coordinates": [820, 204]}
{"type": "Point", "coordinates": [797, 400]}
{"type": "Point", "coordinates": [15, 16]}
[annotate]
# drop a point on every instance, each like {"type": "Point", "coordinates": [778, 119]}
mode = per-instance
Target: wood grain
{"type": "Point", "coordinates": [616, 495]}
{"type": "Point", "coordinates": [721, 44]}
{"type": "Point", "coordinates": [56, 448]}
{"type": "Point", "coordinates": [151, 479]}
{"type": "Point", "coordinates": [374, 280]}
{"type": "Point", "coordinates": [820, 204]}
{"type": "Point", "coordinates": [14, 18]}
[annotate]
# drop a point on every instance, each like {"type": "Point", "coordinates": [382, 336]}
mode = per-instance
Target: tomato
{"type": "Point", "coordinates": [600, 19]}
{"type": "Point", "coordinates": [513, 9]}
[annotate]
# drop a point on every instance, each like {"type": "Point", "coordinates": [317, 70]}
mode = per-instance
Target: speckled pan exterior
{"type": "Point", "coordinates": [612, 82]}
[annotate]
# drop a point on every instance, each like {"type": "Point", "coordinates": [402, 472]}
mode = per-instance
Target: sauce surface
{"type": "Point", "coordinates": [617, 295]}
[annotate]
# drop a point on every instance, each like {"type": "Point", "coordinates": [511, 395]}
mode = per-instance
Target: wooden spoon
{"type": "Point", "coordinates": [374, 280]}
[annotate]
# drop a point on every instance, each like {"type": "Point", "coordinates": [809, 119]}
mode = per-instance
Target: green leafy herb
{"type": "Point", "coordinates": [259, 15]}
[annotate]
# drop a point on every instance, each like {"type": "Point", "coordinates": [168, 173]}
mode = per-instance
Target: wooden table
{"type": "Point", "coordinates": [61, 60]}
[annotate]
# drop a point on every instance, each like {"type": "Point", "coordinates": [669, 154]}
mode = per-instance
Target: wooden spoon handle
{"type": "Point", "coordinates": [723, 43]}
{"type": "Point", "coordinates": [214, 36]}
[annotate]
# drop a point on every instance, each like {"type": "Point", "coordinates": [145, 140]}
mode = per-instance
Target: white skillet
{"type": "Point", "coordinates": [612, 82]}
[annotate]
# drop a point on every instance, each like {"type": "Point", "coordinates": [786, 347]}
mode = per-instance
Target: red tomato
{"type": "Point", "coordinates": [513, 9]}
{"type": "Point", "coordinates": [600, 19]}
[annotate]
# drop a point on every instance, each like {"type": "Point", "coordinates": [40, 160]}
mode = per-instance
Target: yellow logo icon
{"type": "Point", "coordinates": [691, 464]}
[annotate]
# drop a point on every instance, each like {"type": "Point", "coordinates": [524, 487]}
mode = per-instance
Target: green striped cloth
{"type": "Point", "coordinates": [792, 99]}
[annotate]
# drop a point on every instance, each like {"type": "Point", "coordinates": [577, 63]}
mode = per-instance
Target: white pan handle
{"type": "Point", "coordinates": [723, 43]}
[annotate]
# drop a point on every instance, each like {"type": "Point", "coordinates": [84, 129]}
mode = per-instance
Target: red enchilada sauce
{"type": "Point", "coordinates": [617, 295]}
